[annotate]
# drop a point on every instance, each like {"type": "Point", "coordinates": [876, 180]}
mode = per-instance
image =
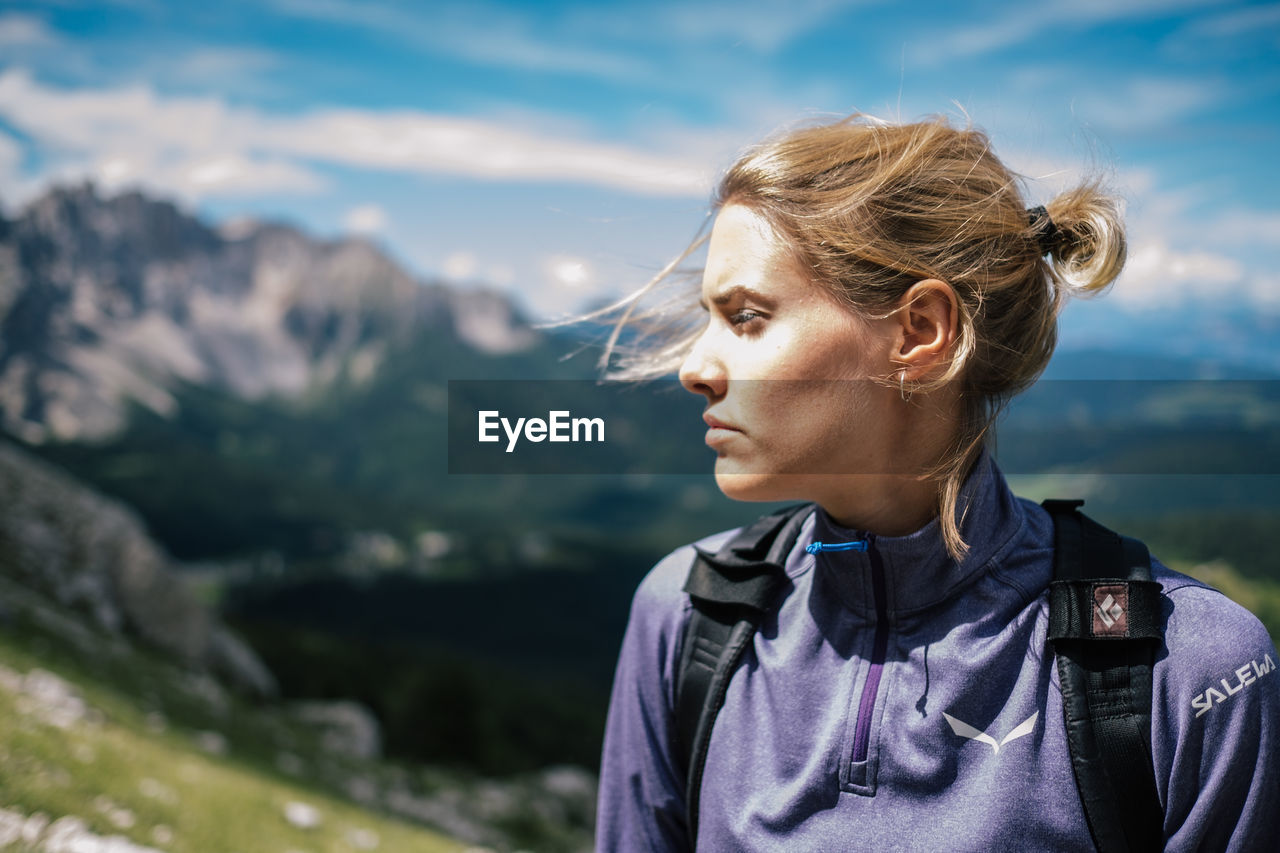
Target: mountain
{"type": "Point", "coordinates": [108, 301]}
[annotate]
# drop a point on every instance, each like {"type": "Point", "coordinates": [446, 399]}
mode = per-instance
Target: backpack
{"type": "Point", "coordinates": [1104, 625]}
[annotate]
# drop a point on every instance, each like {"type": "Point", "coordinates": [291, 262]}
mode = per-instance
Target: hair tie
{"type": "Point", "coordinates": [1046, 230]}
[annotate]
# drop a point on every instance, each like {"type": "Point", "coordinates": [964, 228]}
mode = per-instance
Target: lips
{"type": "Point", "coordinates": [719, 432]}
{"type": "Point", "coordinates": [716, 423]}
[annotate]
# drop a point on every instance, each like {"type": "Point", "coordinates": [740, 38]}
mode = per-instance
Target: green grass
{"type": "Point", "coordinates": [204, 803]}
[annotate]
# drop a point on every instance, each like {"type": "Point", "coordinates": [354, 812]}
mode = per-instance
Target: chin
{"type": "Point", "coordinates": [741, 484]}
{"type": "Point", "coordinates": [747, 487]}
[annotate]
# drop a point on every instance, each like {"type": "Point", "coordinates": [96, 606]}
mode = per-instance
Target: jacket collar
{"type": "Point", "coordinates": [918, 570]}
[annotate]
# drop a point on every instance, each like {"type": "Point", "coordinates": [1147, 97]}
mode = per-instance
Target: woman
{"type": "Point", "coordinates": [873, 294]}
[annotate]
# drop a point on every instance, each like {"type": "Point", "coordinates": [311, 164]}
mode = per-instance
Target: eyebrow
{"type": "Point", "coordinates": [728, 295]}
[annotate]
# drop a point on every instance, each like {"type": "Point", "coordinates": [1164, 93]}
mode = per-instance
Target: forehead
{"type": "Point", "coordinates": [744, 248]}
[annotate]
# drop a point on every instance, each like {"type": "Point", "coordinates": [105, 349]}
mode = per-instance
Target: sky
{"type": "Point", "coordinates": [564, 152]}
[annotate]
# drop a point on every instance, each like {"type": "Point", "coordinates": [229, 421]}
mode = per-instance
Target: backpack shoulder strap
{"type": "Point", "coordinates": [1105, 624]}
{"type": "Point", "coordinates": [731, 591]}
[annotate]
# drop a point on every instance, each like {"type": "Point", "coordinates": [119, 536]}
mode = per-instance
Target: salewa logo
{"type": "Point", "coordinates": [963, 729]}
{"type": "Point", "coordinates": [1109, 611]}
{"type": "Point", "coordinates": [1244, 676]}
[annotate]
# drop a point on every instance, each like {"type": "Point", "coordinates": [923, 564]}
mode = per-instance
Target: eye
{"type": "Point", "coordinates": [744, 317]}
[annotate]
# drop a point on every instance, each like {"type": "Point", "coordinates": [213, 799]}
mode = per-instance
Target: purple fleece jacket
{"type": "Point", "coordinates": [916, 706]}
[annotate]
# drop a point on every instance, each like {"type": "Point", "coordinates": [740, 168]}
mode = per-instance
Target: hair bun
{"type": "Point", "coordinates": [1084, 240]}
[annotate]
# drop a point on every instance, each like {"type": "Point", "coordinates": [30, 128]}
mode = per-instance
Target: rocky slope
{"type": "Point", "coordinates": [93, 722]}
{"type": "Point", "coordinates": [104, 301]}
{"type": "Point", "coordinates": [91, 559]}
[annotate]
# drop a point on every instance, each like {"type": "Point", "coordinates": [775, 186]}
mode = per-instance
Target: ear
{"type": "Point", "coordinates": [927, 323]}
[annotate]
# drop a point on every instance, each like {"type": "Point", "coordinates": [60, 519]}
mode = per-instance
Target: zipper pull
{"type": "Point", "coordinates": [818, 547]}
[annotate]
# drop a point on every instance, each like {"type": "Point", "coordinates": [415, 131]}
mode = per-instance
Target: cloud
{"type": "Point", "coordinates": [464, 267]}
{"type": "Point", "coordinates": [19, 30]}
{"type": "Point", "coordinates": [460, 266]}
{"type": "Point", "coordinates": [1157, 276]}
{"type": "Point", "coordinates": [15, 187]}
{"type": "Point", "coordinates": [10, 153]}
{"type": "Point", "coordinates": [365, 219]}
{"type": "Point", "coordinates": [1243, 227]}
{"type": "Point", "coordinates": [761, 25]}
{"type": "Point", "coordinates": [567, 271]}
{"type": "Point", "coordinates": [1238, 22]}
{"type": "Point", "coordinates": [500, 275]}
{"type": "Point", "coordinates": [567, 281]}
{"type": "Point", "coordinates": [1187, 248]}
{"type": "Point", "coordinates": [1148, 102]}
{"type": "Point", "coordinates": [236, 175]}
{"type": "Point", "coordinates": [483, 33]}
{"type": "Point", "coordinates": [1021, 23]}
{"type": "Point", "coordinates": [1199, 215]}
{"type": "Point", "coordinates": [202, 146]}
{"type": "Point", "coordinates": [424, 143]}
{"type": "Point", "coordinates": [616, 43]}
{"type": "Point", "coordinates": [205, 64]}
{"type": "Point", "coordinates": [10, 159]}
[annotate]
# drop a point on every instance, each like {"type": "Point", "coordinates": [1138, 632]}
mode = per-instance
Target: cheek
{"type": "Point", "coordinates": [831, 416]}
{"type": "Point", "coordinates": [836, 352]}
{"type": "Point", "coordinates": [814, 418]}
{"type": "Point", "coordinates": [846, 358]}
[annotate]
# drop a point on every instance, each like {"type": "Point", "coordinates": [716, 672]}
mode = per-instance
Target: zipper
{"type": "Point", "coordinates": [819, 547]}
{"type": "Point", "coordinates": [879, 648]}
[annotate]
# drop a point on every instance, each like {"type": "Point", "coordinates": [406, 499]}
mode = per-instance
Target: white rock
{"type": "Point", "coordinates": [158, 790]}
{"type": "Point", "coordinates": [70, 835]}
{"type": "Point", "coordinates": [34, 826]}
{"type": "Point", "coordinates": [156, 722]}
{"type": "Point", "coordinates": [347, 728]}
{"type": "Point", "coordinates": [566, 781]}
{"type": "Point", "coordinates": [58, 702]}
{"type": "Point", "coordinates": [11, 824]}
{"type": "Point", "coordinates": [302, 815]}
{"type": "Point", "coordinates": [121, 818]}
{"type": "Point", "coordinates": [213, 743]}
{"type": "Point", "coordinates": [64, 835]}
{"type": "Point", "coordinates": [363, 839]}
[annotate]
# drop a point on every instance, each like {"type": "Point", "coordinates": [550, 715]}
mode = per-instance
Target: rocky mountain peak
{"type": "Point", "coordinates": [108, 300]}
{"type": "Point", "coordinates": [127, 230]}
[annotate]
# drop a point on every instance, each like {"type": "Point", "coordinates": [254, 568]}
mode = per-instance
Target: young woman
{"type": "Point", "coordinates": [873, 293]}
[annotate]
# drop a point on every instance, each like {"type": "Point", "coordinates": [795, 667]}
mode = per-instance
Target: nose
{"type": "Point", "coordinates": [702, 371]}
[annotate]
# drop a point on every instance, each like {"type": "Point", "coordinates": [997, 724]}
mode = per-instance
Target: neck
{"type": "Point", "coordinates": [904, 498]}
{"type": "Point", "coordinates": [883, 504]}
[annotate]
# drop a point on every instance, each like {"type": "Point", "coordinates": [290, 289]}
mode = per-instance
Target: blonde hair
{"type": "Point", "coordinates": [871, 208]}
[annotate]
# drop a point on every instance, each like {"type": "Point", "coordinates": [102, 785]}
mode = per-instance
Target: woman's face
{"type": "Point", "coordinates": [787, 373]}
